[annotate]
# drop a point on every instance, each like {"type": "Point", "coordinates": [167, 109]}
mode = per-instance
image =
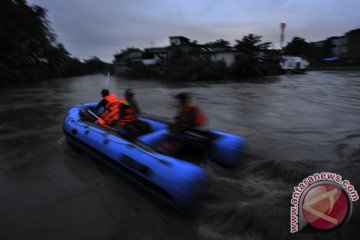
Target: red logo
{"type": "Point", "coordinates": [325, 206]}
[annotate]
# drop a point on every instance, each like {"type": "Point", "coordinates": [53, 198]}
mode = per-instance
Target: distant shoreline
{"type": "Point", "coordinates": [334, 68]}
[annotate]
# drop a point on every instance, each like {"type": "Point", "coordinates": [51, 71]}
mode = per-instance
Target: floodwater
{"type": "Point", "coordinates": [294, 126]}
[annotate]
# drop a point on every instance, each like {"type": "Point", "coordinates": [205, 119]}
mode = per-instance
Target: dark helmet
{"type": "Point", "coordinates": [183, 97]}
{"type": "Point", "coordinates": [105, 92]}
{"type": "Point", "coordinates": [129, 93]}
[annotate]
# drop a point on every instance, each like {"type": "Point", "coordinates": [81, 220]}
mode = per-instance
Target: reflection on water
{"type": "Point", "coordinates": [294, 125]}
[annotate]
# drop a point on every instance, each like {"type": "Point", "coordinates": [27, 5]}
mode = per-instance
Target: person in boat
{"type": "Point", "coordinates": [189, 115]}
{"type": "Point", "coordinates": [110, 102]}
{"type": "Point", "coordinates": [127, 117]}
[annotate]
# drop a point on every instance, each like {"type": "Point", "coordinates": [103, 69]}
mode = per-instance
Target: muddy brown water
{"type": "Point", "coordinates": [294, 125]}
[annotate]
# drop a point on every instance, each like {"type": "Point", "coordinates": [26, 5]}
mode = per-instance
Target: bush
{"type": "Point", "coordinates": [193, 68]}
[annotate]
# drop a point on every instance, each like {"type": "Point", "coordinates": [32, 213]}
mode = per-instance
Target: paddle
{"type": "Point", "coordinates": [99, 119]}
{"type": "Point", "coordinates": [133, 140]}
{"type": "Point", "coordinates": [92, 114]}
{"type": "Point", "coordinates": [107, 80]}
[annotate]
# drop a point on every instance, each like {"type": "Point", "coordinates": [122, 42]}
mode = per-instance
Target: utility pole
{"type": "Point", "coordinates": [282, 34]}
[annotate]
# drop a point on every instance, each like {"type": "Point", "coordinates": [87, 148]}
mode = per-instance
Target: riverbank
{"type": "Point", "coordinates": [334, 68]}
{"type": "Point", "coordinates": [188, 69]}
{"type": "Point", "coordinates": [200, 83]}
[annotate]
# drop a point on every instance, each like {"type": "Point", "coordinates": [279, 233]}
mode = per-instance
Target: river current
{"type": "Point", "coordinates": [294, 126]}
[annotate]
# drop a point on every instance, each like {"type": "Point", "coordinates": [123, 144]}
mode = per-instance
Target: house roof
{"type": "Point", "coordinates": [217, 50]}
{"type": "Point", "coordinates": [157, 50]}
{"type": "Point", "coordinates": [181, 37]}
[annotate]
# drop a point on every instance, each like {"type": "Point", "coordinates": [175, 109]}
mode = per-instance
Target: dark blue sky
{"type": "Point", "coordinates": [101, 28]}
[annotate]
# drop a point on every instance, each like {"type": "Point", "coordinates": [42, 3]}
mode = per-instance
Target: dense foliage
{"type": "Point", "coordinates": [194, 62]}
{"type": "Point", "coordinates": [29, 51]}
{"type": "Point", "coordinates": [220, 43]}
{"type": "Point", "coordinates": [299, 47]}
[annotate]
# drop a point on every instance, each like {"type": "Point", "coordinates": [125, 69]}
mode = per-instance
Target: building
{"type": "Point", "coordinates": [179, 40]}
{"type": "Point", "coordinates": [125, 59]}
{"type": "Point", "coordinates": [339, 46]}
{"type": "Point", "coordinates": [161, 54]}
{"type": "Point", "coordinates": [158, 55]}
{"type": "Point", "coordinates": [353, 44]}
{"type": "Point", "coordinates": [319, 44]}
{"type": "Point", "coordinates": [227, 55]}
{"type": "Point", "coordinates": [347, 46]}
{"type": "Point", "coordinates": [153, 56]}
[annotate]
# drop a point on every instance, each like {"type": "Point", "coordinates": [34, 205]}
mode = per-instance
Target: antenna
{"type": "Point", "coordinates": [282, 34]}
{"type": "Point", "coordinates": [107, 80]}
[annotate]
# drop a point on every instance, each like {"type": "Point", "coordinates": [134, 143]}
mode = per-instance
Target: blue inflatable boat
{"type": "Point", "coordinates": [178, 180]}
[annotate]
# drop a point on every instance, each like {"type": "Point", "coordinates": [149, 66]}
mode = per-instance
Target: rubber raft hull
{"type": "Point", "coordinates": [176, 181]}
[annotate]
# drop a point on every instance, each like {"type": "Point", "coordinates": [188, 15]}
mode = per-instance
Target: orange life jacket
{"type": "Point", "coordinates": [111, 112]}
{"type": "Point", "coordinates": [130, 113]}
{"type": "Point", "coordinates": [200, 118]}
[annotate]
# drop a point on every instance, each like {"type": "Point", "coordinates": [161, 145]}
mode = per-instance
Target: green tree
{"type": "Point", "coordinates": [24, 33]}
{"type": "Point", "coordinates": [94, 65]}
{"type": "Point", "coordinates": [251, 43]}
{"type": "Point", "coordinates": [219, 43]}
{"type": "Point", "coordinates": [264, 46]}
{"type": "Point", "coordinates": [126, 53]}
{"type": "Point", "coordinates": [28, 47]}
{"type": "Point", "coordinates": [298, 46]}
{"type": "Point", "coordinates": [253, 58]}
